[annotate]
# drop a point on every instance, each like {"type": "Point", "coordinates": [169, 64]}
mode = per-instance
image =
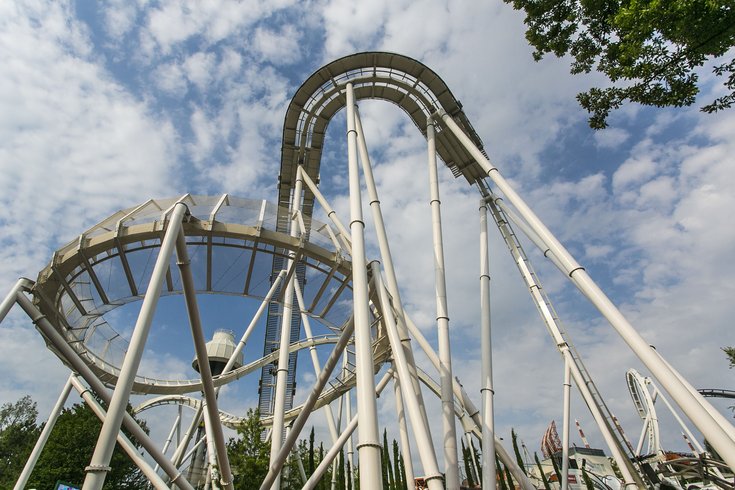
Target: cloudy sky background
{"type": "Point", "coordinates": [105, 106]}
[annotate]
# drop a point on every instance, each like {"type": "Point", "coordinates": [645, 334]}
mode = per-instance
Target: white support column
{"type": "Point", "coordinates": [442, 319]}
{"type": "Point", "coordinates": [489, 476]}
{"type": "Point", "coordinates": [327, 409]}
{"type": "Point", "coordinates": [212, 422]}
{"type": "Point", "coordinates": [59, 343]}
{"type": "Point", "coordinates": [346, 434]}
{"type": "Point", "coordinates": [122, 439]}
{"type": "Point", "coordinates": [695, 409]}
{"type": "Point", "coordinates": [279, 405]}
{"type": "Point", "coordinates": [470, 408]}
{"type": "Point", "coordinates": [424, 442]}
{"type": "Point", "coordinates": [170, 438]}
{"type": "Point", "coordinates": [178, 456]}
{"type": "Point", "coordinates": [100, 463]}
{"type": "Point", "coordinates": [386, 257]}
{"type": "Point", "coordinates": [46, 432]}
{"type": "Point", "coordinates": [350, 455]}
{"type": "Point", "coordinates": [565, 426]}
{"type": "Point", "coordinates": [277, 462]}
{"type": "Point", "coordinates": [368, 447]}
{"type": "Point", "coordinates": [21, 285]}
{"type": "Point", "coordinates": [403, 431]}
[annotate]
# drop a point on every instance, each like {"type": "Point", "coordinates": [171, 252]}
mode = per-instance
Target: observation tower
{"type": "Point", "coordinates": [318, 291]}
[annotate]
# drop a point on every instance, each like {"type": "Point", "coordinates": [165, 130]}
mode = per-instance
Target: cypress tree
{"type": "Point", "coordinates": [499, 472]}
{"type": "Point", "coordinates": [519, 459]}
{"type": "Point", "coordinates": [476, 455]}
{"type": "Point", "coordinates": [541, 470]}
{"type": "Point", "coordinates": [398, 469]}
{"type": "Point", "coordinates": [311, 453]}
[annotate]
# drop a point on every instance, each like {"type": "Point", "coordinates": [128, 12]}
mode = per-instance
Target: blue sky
{"type": "Point", "coordinates": [103, 106]}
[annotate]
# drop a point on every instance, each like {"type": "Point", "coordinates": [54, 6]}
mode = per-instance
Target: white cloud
{"type": "Point", "coordinates": [611, 138]}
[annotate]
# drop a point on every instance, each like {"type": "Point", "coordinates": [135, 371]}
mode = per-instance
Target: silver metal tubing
{"type": "Point", "coordinates": [100, 463]}
{"type": "Point", "coordinates": [565, 426]}
{"type": "Point", "coordinates": [178, 456]}
{"type": "Point", "coordinates": [55, 338]}
{"type": "Point", "coordinates": [350, 455]}
{"type": "Point", "coordinates": [298, 424]}
{"type": "Point", "coordinates": [403, 431]}
{"type": "Point", "coordinates": [694, 408]}
{"type": "Point", "coordinates": [170, 438]}
{"type": "Point", "coordinates": [346, 434]}
{"type": "Point", "coordinates": [47, 428]}
{"type": "Point", "coordinates": [423, 437]}
{"type": "Point", "coordinates": [368, 448]}
{"type": "Point", "coordinates": [470, 408]}
{"type": "Point", "coordinates": [331, 213]}
{"type": "Point", "coordinates": [386, 258]}
{"type": "Point", "coordinates": [23, 284]}
{"type": "Point", "coordinates": [251, 326]}
{"type": "Point", "coordinates": [122, 439]}
{"type": "Point", "coordinates": [442, 320]}
{"type": "Point", "coordinates": [489, 477]}
{"type": "Point", "coordinates": [327, 409]}
{"type": "Point", "coordinates": [213, 425]}
{"type": "Point", "coordinates": [279, 406]}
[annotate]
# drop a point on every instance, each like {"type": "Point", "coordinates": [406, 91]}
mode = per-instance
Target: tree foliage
{"type": "Point", "coordinates": [248, 454]}
{"type": "Point", "coordinates": [69, 450]}
{"type": "Point", "coordinates": [18, 434]}
{"type": "Point", "coordinates": [648, 49]}
{"type": "Point", "coordinates": [730, 352]}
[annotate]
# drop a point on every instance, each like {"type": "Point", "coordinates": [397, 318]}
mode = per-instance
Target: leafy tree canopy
{"type": "Point", "coordinates": [648, 49]}
{"type": "Point", "coordinates": [18, 434]}
{"type": "Point", "coordinates": [69, 450]}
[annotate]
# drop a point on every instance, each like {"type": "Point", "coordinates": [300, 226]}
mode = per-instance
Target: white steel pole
{"type": "Point", "coordinates": [277, 462]}
{"type": "Point", "coordinates": [625, 466]}
{"type": "Point", "coordinates": [279, 405]}
{"type": "Point", "coordinates": [403, 431]}
{"type": "Point", "coordinates": [331, 213]}
{"type": "Point", "coordinates": [253, 322]}
{"type": "Point", "coordinates": [45, 433]}
{"type": "Point", "coordinates": [178, 456]}
{"type": "Point", "coordinates": [100, 463]}
{"type": "Point", "coordinates": [368, 447]}
{"type": "Point", "coordinates": [346, 434]}
{"type": "Point", "coordinates": [122, 439]}
{"type": "Point", "coordinates": [423, 437]}
{"type": "Point", "coordinates": [213, 426]}
{"type": "Point", "coordinates": [442, 319]}
{"type": "Point", "coordinates": [489, 476]}
{"type": "Point", "coordinates": [170, 437]}
{"type": "Point", "coordinates": [565, 426]}
{"type": "Point", "coordinates": [350, 455]}
{"type": "Point", "coordinates": [470, 408]}
{"type": "Point", "coordinates": [327, 409]}
{"type": "Point", "coordinates": [386, 257]}
{"type": "Point", "coordinates": [693, 407]}
{"type": "Point", "coordinates": [48, 330]}
{"type": "Point", "coordinates": [21, 285]}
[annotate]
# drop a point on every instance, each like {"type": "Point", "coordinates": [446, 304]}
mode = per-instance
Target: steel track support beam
{"type": "Point", "coordinates": [489, 474]}
{"type": "Point", "coordinates": [451, 467]}
{"type": "Point", "coordinates": [286, 324]}
{"type": "Point", "coordinates": [368, 447]}
{"type": "Point", "coordinates": [421, 434]}
{"type": "Point", "coordinates": [100, 463]}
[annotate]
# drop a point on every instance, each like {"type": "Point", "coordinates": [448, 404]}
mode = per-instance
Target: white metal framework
{"type": "Point", "coordinates": [317, 276]}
